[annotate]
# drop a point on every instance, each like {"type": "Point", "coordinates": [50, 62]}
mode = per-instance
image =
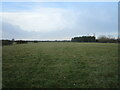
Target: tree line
{"type": "Point", "coordinates": [10, 42]}
{"type": "Point", "coordinates": [101, 39]}
{"type": "Point", "coordinates": [84, 39]}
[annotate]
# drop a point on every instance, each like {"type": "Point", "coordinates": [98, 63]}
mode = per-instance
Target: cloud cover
{"type": "Point", "coordinates": [45, 20]}
{"type": "Point", "coordinates": [63, 22]}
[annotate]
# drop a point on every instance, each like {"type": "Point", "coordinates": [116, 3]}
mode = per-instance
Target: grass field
{"type": "Point", "coordinates": [60, 65]}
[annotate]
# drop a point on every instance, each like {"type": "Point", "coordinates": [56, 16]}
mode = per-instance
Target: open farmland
{"type": "Point", "coordinates": [60, 64]}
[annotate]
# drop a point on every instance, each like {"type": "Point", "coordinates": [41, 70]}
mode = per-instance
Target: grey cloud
{"type": "Point", "coordinates": [12, 31]}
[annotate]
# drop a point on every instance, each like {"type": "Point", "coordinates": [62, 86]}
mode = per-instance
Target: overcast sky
{"type": "Point", "coordinates": [58, 21]}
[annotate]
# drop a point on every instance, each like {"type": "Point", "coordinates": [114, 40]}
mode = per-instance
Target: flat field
{"type": "Point", "coordinates": [60, 65]}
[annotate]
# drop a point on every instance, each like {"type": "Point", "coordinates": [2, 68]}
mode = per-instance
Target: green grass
{"type": "Point", "coordinates": [60, 65]}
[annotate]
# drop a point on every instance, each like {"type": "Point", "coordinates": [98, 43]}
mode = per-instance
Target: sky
{"type": "Point", "coordinates": [58, 20]}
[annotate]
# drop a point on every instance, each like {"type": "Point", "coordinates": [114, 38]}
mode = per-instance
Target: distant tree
{"type": "Point", "coordinates": [83, 39]}
{"type": "Point", "coordinates": [35, 41]}
{"type": "Point", "coordinates": [21, 42]}
{"type": "Point", "coordinates": [107, 39]}
{"type": "Point", "coordinates": [103, 39]}
{"type": "Point", "coordinates": [13, 39]}
{"type": "Point", "coordinates": [7, 42]}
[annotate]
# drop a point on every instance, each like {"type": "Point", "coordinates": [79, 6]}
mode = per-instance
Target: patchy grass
{"type": "Point", "coordinates": [60, 65]}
